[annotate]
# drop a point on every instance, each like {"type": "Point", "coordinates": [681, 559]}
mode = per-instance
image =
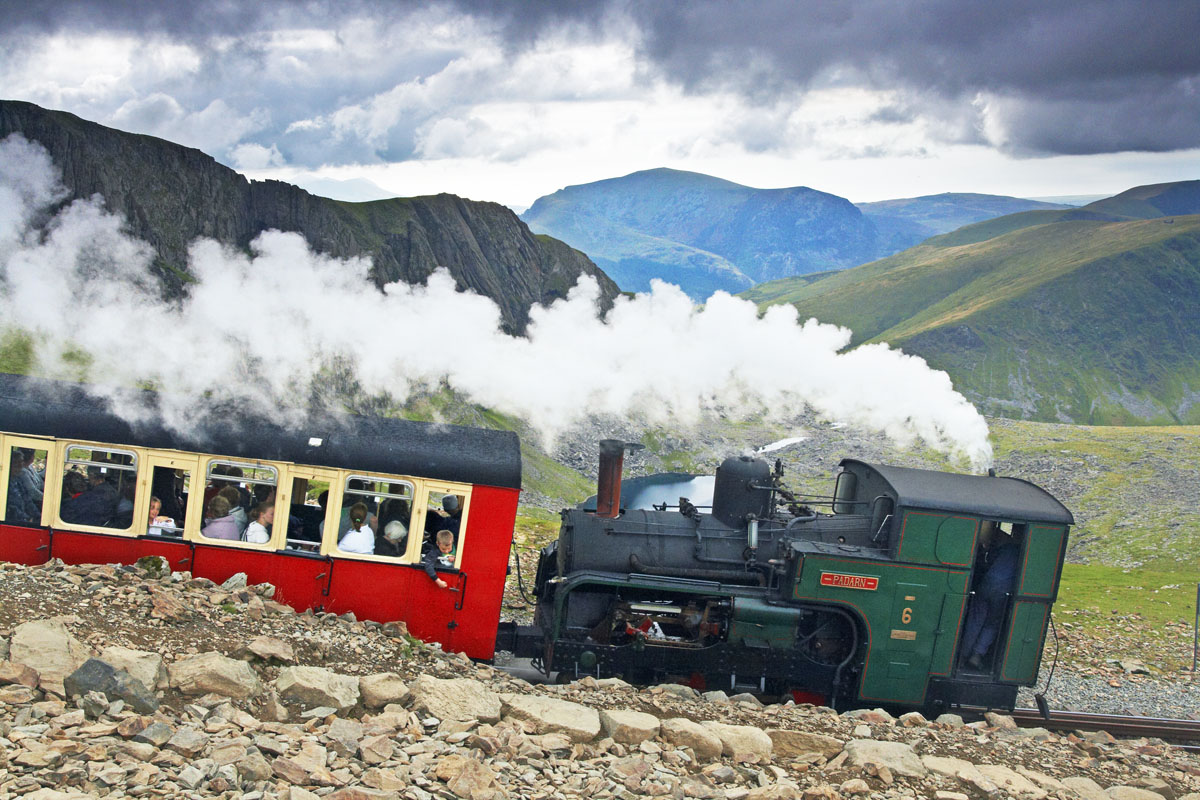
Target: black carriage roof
{"type": "Point", "coordinates": [40, 407]}
{"type": "Point", "coordinates": [999, 498]}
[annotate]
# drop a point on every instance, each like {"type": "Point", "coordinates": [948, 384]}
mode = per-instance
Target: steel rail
{"type": "Point", "coordinates": [1118, 725]}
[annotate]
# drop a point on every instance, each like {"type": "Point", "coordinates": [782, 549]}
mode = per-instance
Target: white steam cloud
{"type": "Point", "coordinates": [261, 327]}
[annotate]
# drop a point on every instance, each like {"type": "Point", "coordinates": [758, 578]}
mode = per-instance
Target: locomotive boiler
{"type": "Point", "coordinates": [863, 596]}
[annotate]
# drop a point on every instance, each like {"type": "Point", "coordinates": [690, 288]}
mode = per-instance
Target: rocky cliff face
{"type": "Point", "coordinates": [171, 195]}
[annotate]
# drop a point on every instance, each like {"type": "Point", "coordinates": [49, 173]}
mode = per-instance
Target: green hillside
{"type": "Point", "coordinates": [1072, 320]}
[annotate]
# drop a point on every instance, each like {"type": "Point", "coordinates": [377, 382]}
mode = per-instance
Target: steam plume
{"type": "Point", "coordinates": [260, 328]}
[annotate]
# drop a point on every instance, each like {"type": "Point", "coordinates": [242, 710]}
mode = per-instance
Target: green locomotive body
{"type": "Point", "coordinates": [869, 603]}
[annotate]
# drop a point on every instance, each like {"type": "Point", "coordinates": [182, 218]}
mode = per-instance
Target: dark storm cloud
{"type": "Point", "coordinates": [1076, 76]}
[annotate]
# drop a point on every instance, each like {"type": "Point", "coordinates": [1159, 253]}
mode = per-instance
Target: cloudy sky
{"type": "Point", "coordinates": [868, 99]}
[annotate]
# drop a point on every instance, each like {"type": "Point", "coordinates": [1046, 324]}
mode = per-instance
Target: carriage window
{"type": "Point", "coordinates": [26, 482]}
{"type": "Point", "coordinates": [310, 496]}
{"type": "Point", "coordinates": [443, 511]}
{"type": "Point", "coordinates": [232, 490]}
{"type": "Point", "coordinates": [168, 501]}
{"type": "Point", "coordinates": [386, 509]}
{"type": "Point", "coordinates": [99, 487]}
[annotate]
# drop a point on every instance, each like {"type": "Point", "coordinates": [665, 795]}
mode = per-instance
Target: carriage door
{"type": "Point", "coordinates": [300, 574]}
{"type": "Point", "coordinates": [441, 507]}
{"type": "Point", "coordinates": [1036, 588]}
{"type": "Point", "coordinates": [164, 506]}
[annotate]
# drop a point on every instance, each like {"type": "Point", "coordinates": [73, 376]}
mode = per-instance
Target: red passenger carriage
{"type": "Point", "coordinates": [310, 475]}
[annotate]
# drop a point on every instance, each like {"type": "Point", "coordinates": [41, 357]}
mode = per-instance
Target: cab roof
{"type": "Point", "coordinates": [42, 407]}
{"type": "Point", "coordinates": [999, 498]}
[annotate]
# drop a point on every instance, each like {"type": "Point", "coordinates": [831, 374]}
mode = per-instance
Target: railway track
{"type": "Point", "coordinates": [1184, 732]}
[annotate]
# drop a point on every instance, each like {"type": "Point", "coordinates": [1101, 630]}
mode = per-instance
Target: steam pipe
{"type": "Point", "coordinates": [797, 520]}
{"type": "Point", "coordinates": [727, 576]}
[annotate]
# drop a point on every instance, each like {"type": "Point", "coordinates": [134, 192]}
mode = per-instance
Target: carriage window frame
{"type": "Point", "coordinates": [256, 465]}
{"type": "Point", "coordinates": [67, 461]}
{"type": "Point", "coordinates": [463, 492]}
{"type": "Point", "coordinates": [345, 491]}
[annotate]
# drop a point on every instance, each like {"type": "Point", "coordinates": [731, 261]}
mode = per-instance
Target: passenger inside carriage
{"type": "Point", "coordinates": [21, 506]}
{"type": "Point", "coordinates": [440, 557]}
{"type": "Point", "coordinates": [261, 516]}
{"type": "Point", "coordinates": [393, 541]}
{"type": "Point", "coordinates": [220, 524]}
{"type": "Point", "coordinates": [359, 538]}
{"type": "Point", "coordinates": [74, 484]}
{"type": "Point", "coordinates": [96, 506]}
{"type": "Point", "coordinates": [160, 525]}
{"type": "Point", "coordinates": [234, 498]}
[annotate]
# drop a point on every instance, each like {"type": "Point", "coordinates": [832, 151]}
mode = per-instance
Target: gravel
{"type": "Point", "coordinates": [1139, 695]}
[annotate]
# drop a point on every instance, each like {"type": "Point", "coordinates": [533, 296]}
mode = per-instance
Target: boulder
{"type": "Point", "coordinates": [213, 672]}
{"type": "Point", "coordinates": [18, 673]}
{"type": "Point", "coordinates": [898, 757]}
{"type": "Point", "coordinates": [454, 699]}
{"type": "Point", "coordinates": [145, 666]}
{"type": "Point", "coordinates": [317, 686]}
{"type": "Point", "coordinates": [683, 732]}
{"type": "Point", "coordinates": [1086, 788]}
{"type": "Point", "coordinates": [268, 649]}
{"type": "Point", "coordinates": [382, 688]}
{"type": "Point", "coordinates": [1001, 721]}
{"type": "Point", "coordinates": [950, 767]}
{"type": "Point", "coordinates": [629, 727]}
{"type": "Point", "coordinates": [874, 716]}
{"type": "Point", "coordinates": [551, 715]}
{"type": "Point", "coordinates": [1132, 793]}
{"type": "Point", "coordinates": [742, 742]}
{"type": "Point", "coordinates": [789, 744]}
{"type": "Point", "coordinates": [775, 791]}
{"type": "Point", "coordinates": [48, 647]}
{"type": "Point", "coordinates": [343, 736]}
{"type": "Point", "coordinates": [116, 684]}
{"type": "Point", "coordinates": [1014, 784]}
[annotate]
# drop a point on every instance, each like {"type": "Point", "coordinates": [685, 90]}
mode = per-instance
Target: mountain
{"type": "Point", "coordinates": [169, 195]}
{"type": "Point", "coordinates": [1089, 315]}
{"type": "Point", "coordinates": [704, 233]}
{"type": "Point", "coordinates": [904, 223]}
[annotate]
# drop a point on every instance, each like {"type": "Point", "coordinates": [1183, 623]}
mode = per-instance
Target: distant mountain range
{"type": "Point", "coordinates": [704, 233]}
{"type": "Point", "coordinates": [1088, 315]}
{"type": "Point", "coordinates": [170, 195]}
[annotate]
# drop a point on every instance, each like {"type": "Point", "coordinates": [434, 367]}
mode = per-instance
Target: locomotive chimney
{"type": "Point", "coordinates": [608, 490]}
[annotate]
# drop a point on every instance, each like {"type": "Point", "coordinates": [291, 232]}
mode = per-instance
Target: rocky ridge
{"type": "Point", "coordinates": [170, 195]}
{"type": "Point", "coordinates": [137, 682]}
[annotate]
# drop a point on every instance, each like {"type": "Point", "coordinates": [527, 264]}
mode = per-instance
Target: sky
{"type": "Point", "coordinates": [866, 99]}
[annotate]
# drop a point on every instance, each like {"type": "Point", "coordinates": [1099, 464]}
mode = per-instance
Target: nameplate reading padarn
{"type": "Point", "coordinates": [844, 581]}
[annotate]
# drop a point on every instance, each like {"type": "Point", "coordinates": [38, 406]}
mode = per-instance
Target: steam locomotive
{"type": "Point", "coordinates": [862, 603]}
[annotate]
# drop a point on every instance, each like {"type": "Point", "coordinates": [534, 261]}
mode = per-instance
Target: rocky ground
{"type": "Point", "coordinates": [116, 682]}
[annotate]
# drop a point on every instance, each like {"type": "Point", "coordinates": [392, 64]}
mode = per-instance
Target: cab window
{"type": "Point", "coordinates": [99, 487]}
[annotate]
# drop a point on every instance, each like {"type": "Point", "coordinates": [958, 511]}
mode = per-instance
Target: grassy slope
{"type": "Point", "coordinates": [1045, 334]}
